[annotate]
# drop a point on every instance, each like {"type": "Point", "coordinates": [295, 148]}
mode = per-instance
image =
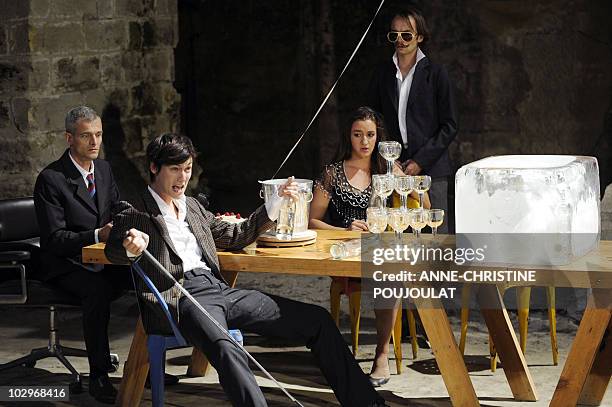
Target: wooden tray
{"type": "Point", "coordinates": [285, 243]}
{"type": "Point", "coordinates": [270, 237]}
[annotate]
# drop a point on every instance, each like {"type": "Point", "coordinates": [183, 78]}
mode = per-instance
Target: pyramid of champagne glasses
{"type": "Point", "coordinates": [529, 209]}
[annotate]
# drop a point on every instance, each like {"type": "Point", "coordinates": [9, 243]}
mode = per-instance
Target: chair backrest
{"type": "Point", "coordinates": [18, 219]}
{"type": "Point", "coordinates": [136, 267]}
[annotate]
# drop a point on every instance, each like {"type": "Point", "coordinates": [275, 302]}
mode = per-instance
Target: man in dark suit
{"type": "Point", "coordinates": [184, 237]}
{"type": "Point", "coordinates": [73, 197]}
{"type": "Point", "coordinates": [415, 97]}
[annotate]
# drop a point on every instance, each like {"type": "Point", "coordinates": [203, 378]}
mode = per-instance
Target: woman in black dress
{"type": "Point", "coordinates": [342, 195]}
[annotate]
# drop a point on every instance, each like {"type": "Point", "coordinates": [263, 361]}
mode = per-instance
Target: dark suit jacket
{"type": "Point", "coordinates": [431, 118]}
{"type": "Point", "coordinates": [67, 216]}
{"type": "Point", "coordinates": [210, 234]}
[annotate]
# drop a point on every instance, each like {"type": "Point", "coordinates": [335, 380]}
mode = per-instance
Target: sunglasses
{"type": "Point", "coordinates": [407, 36]}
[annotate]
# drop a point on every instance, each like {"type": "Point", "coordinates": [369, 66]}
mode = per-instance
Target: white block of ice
{"type": "Point", "coordinates": [552, 201]}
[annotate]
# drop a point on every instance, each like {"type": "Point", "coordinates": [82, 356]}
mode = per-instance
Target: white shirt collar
{"type": "Point", "coordinates": [83, 171]}
{"type": "Point", "coordinates": [419, 55]}
{"type": "Point", "coordinates": [168, 210]}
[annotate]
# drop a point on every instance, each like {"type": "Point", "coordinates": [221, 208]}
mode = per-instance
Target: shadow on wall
{"type": "Point", "coordinates": [127, 175]}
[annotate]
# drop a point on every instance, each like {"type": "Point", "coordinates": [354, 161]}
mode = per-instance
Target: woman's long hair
{"type": "Point", "coordinates": [378, 165]}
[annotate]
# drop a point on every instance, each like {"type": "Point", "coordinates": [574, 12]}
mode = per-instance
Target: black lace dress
{"type": "Point", "coordinates": [346, 203]}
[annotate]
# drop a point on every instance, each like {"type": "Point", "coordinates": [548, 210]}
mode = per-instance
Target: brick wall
{"type": "Point", "coordinates": [113, 55]}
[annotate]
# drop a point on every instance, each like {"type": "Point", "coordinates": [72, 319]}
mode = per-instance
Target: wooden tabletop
{"type": "Point", "coordinates": [593, 270]}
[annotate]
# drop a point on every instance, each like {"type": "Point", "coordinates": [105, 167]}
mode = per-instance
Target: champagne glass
{"type": "Point", "coordinates": [399, 221]}
{"type": "Point", "coordinates": [376, 219]}
{"type": "Point", "coordinates": [418, 220]}
{"type": "Point", "coordinates": [390, 151]}
{"type": "Point", "coordinates": [383, 185]}
{"type": "Point", "coordinates": [436, 218]}
{"type": "Point", "coordinates": [421, 184]}
{"type": "Point", "coordinates": [403, 186]}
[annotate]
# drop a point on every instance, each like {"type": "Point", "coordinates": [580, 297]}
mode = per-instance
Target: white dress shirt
{"type": "Point", "coordinates": [403, 86]}
{"type": "Point", "coordinates": [183, 239]}
{"type": "Point", "coordinates": [84, 174]}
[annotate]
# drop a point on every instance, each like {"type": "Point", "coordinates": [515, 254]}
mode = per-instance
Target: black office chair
{"type": "Point", "coordinates": [20, 251]}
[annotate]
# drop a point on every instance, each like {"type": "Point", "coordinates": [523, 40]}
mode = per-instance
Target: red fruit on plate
{"type": "Point", "coordinates": [238, 216]}
{"type": "Point", "coordinates": [217, 214]}
{"type": "Point", "coordinates": [226, 214]}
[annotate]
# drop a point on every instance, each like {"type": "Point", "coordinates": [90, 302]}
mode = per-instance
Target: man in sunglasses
{"type": "Point", "coordinates": [415, 97]}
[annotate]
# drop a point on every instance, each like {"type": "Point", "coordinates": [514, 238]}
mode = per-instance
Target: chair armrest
{"type": "Point", "coordinates": [16, 298]}
{"type": "Point", "coordinates": [14, 256]}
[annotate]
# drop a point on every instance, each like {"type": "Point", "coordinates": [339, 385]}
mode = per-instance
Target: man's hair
{"type": "Point", "coordinates": [411, 11]}
{"type": "Point", "coordinates": [79, 113]}
{"type": "Point", "coordinates": [169, 149]}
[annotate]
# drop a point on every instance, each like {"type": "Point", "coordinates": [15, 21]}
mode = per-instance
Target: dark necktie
{"type": "Point", "coordinates": [91, 185]}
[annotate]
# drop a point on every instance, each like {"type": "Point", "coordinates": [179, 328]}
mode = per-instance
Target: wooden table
{"type": "Point", "coordinates": [586, 373]}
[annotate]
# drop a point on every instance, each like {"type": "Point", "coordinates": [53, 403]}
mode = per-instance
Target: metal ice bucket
{"type": "Point", "coordinates": [269, 189]}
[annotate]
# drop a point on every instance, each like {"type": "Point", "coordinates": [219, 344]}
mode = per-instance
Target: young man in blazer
{"type": "Point", "coordinates": [73, 198]}
{"type": "Point", "coordinates": [415, 97]}
{"type": "Point", "coordinates": [183, 237]}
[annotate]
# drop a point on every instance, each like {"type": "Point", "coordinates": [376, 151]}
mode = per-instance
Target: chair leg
{"type": "Point", "coordinates": [355, 312]}
{"type": "Point", "coordinates": [552, 321]}
{"type": "Point", "coordinates": [412, 332]}
{"type": "Point", "coordinates": [396, 336]}
{"type": "Point", "coordinates": [335, 290]}
{"type": "Point", "coordinates": [157, 362]}
{"type": "Point", "coordinates": [493, 354]}
{"type": "Point", "coordinates": [522, 299]}
{"type": "Point", "coordinates": [62, 358]}
{"type": "Point", "coordinates": [465, 315]}
{"type": "Point", "coordinates": [28, 360]}
{"type": "Point", "coordinates": [68, 351]}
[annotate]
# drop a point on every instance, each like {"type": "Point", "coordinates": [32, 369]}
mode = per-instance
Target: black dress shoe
{"type": "Point", "coordinates": [378, 381]}
{"type": "Point", "coordinates": [169, 380]}
{"type": "Point", "coordinates": [102, 390]}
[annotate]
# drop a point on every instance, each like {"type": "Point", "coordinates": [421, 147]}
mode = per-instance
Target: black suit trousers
{"type": "Point", "coordinates": [272, 316]}
{"type": "Point", "coordinates": [96, 291]}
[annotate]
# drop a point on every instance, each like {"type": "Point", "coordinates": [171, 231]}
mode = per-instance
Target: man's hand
{"type": "Point", "coordinates": [289, 189]}
{"type": "Point", "coordinates": [104, 232]}
{"type": "Point", "coordinates": [412, 168]}
{"type": "Point", "coordinates": [135, 241]}
{"type": "Point", "coordinates": [359, 225]}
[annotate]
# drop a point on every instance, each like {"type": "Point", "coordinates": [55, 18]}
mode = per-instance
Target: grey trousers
{"type": "Point", "coordinates": [267, 315]}
{"type": "Point", "coordinates": [438, 195]}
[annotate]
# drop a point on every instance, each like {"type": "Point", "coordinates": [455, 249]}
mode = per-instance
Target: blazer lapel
{"type": "Point", "coordinates": [158, 220]}
{"type": "Point", "coordinates": [101, 188]}
{"type": "Point", "coordinates": [206, 244]}
{"type": "Point", "coordinates": [74, 178]}
{"type": "Point", "coordinates": [420, 78]}
{"type": "Point", "coordinates": [391, 85]}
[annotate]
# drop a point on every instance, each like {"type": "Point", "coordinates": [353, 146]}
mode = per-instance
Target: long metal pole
{"type": "Point", "coordinates": [160, 267]}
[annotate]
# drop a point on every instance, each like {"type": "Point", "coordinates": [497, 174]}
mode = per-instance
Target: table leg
{"type": "Point", "coordinates": [135, 370]}
{"type": "Point", "coordinates": [586, 372]}
{"type": "Point", "coordinates": [599, 378]}
{"type": "Point", "coordinates": [506, 344]}
{"type": "Point", "coordinates": [447, 353]}
{"type": "Point", "coordinates": [198, 367]}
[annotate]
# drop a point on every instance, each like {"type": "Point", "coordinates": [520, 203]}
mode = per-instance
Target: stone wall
{"type": "Point", "coordinates": [113, 55]}
{"type": "Point", "coordinates": [529, 77]}
{"type": "Point", "coordinates": [606, 214]}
